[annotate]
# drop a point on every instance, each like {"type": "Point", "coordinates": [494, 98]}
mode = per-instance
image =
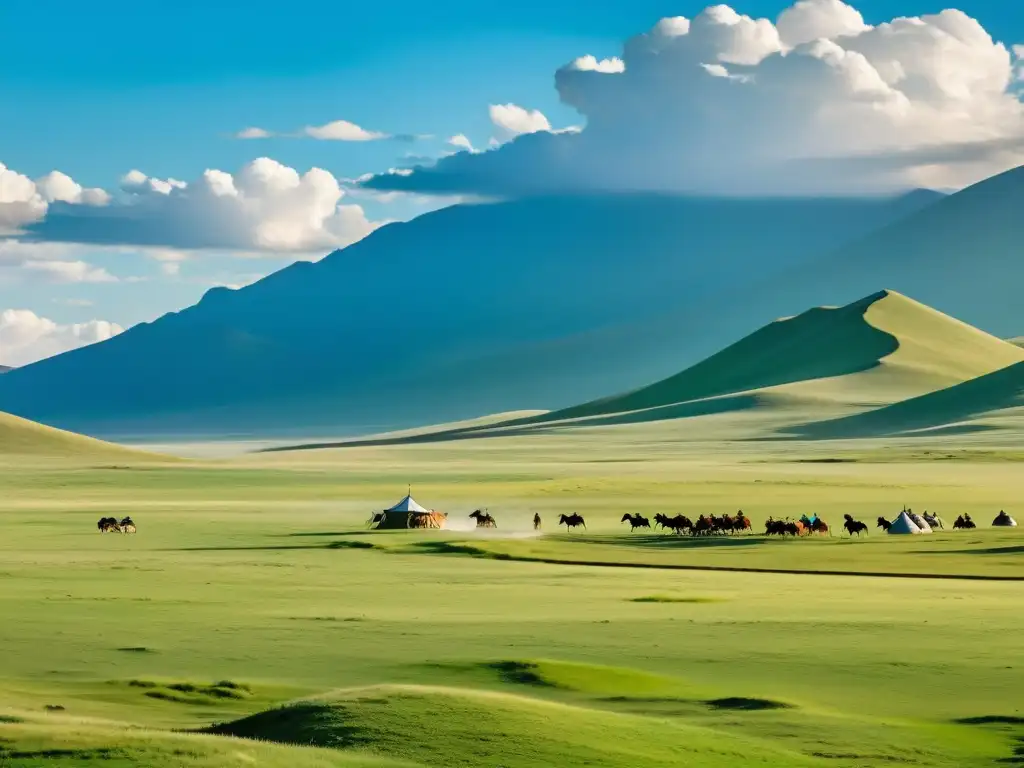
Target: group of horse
{"type": "Point", "coordinates": [112, 525]}
{"type": "Point", "coordinates": [805, 526]}
{"type": "Point", "coordinates": [704, 525]}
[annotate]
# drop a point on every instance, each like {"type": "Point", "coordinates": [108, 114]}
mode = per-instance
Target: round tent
{"type": "Point", "coordinates": [1003, 520]}
{"type": "Point", "coordinates": [408, 513]}
{"type": "Point", "coordinates": [904, 524]}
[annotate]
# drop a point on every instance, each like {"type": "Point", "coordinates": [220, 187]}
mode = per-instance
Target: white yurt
{"type": "Point", "coordinates": [905, 524]}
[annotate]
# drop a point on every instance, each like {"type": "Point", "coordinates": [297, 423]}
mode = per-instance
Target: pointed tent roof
{"type": "Point", "coordinates": [904, 524]}
{"type": "Point", "coordinates": [920, 522]}
{"type": "Point", "coordinates": [408, 504]}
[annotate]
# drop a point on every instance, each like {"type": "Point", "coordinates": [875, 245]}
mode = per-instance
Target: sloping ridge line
{"type": "Point", "coordinates": [887, 345]}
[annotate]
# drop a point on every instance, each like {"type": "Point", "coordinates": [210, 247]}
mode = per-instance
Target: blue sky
{"type": "Point", "coordinates": [97, 89]}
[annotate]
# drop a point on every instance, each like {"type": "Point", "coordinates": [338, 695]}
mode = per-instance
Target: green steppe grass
{"type": "Point", "coordinates": [253, 620]}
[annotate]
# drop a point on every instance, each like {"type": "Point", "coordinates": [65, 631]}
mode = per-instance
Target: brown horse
{"type": "Point", "coordinates": [884, 524]}
{"type": "Point", "coordinates": [963, 522]}
{"type": "Point", "coordinates": [483, 519]}
{"type": "Point", "coordinates": [574, 520]}
{"type": "Point", "coordinates": [108, 525]}
{"type": "Point", "coordinates": [635, 521]}
{"type": "Point", "coordinates": [819, 526]}
{"type": "Point", "coordinates": [741, 522]}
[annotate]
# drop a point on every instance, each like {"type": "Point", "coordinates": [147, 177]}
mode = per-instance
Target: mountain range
{"type": "Point", "coordinates": [469, 310]}
{"type": "Point", "coordinates": [539, 303]}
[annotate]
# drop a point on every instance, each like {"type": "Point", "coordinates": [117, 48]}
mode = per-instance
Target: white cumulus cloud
{"type": "Point", "coordinates": [512, 120]}
{"type": "Point", "coordinates": [342, 130]}
{"type": "Point", "coordinates": [814, 101]}
{"type": "Point", "coordinates": [25, 337]}
{"type": "Point", "coordinates": [266, 206]}
{"type": "Point", "coordinates": [23, 201]}
{"type": "Point", "coordinates": [591, 63]}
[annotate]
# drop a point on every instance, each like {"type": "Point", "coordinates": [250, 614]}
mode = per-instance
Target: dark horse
{"type": "Point", "coordinates": [574, 520]}
{"type": "Point", "coordinates": [635, 521]}
{"type": "Point", "coordinates": [483, 519]}
{"type": "Point", "coordinates": [108, 524]}
{"type": "Point", "coordinates": [963, 522]}
{"type": "Point", "coordinates": [679, 524]}
{"type": "Point", "coordinates": [884, 524]}
{"type": "Point", "coordinates": [854, 526]}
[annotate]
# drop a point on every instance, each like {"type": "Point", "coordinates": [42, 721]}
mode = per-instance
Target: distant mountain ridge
{"type": "Point", "coordinates": [5, 368]}
{"type": "Point", "coordinates": [473, 309]}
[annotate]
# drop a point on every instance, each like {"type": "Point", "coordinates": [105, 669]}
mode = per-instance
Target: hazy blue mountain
{"type": "Point", "coordinates": [5, 368]}
{"type": "Point", "coordinates": [472, 309]}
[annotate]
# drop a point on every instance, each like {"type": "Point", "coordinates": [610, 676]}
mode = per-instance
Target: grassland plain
{"type": "Point", "coordinates": [253, 602]}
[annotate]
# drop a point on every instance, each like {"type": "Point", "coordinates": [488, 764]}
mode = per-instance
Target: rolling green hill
{"type": "Point", "coordinates": [998, 393]}
{"type": "Point", "coordinates": [22, 438]}
{"type": "Point", "coordinates": [431, 725]}
{"type": "Point", "coordinates": [822, 364]}
{"type": "Point", "coordinates": [873, 350]}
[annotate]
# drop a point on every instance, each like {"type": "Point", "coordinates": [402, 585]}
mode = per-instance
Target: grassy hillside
{"type": "Point", "coordinates": [253, 601]}
{"type": "Point", "coordinates": [902, 345]}
{"type": "Point", "coordinates": [20, 438]}
{"type": "Point", "coordinates": [1000, 393]}
{"type": "Point", "coordinates": [825, 362]}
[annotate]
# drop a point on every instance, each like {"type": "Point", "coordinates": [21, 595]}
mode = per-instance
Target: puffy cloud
{"type": "Point", "coordinates": [590, 63]}
{"type": "Point", "coordinates": [25, 337]}
{"type": "Point", "coordinates": [253, 133]}
{"type": "Point", "coordinates": [20, 201]}
{"type": "Point", "coordinates": [343, 130]}
{"type": "Point", "coordinates": [57, 187]}
{"type": "Point", "coordinates": [266, 206]}
{"type": "Point", "coordinates": [461, 141]}
{"type": "Point", "coordinates": [809, 20]}
{"type": "Point", "coordinates": [136, 182]}
{"type": "Point", "coordinates": [512, 120]}
{"type": "Point", "coordinates": [729, 104]}
{"type": "Point", "coordinates": [23, 200]}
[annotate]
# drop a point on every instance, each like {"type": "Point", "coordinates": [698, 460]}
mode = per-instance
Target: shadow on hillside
{"type": "Point", "coordinates": [669, 541]}
{"type": "Point", "coordinates": [1017, 550]}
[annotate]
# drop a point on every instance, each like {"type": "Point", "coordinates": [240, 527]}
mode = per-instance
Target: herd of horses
{"type": "Point", "coordinates": [707, 525]}
{"type": "Point", "coordinates": [113, 525]}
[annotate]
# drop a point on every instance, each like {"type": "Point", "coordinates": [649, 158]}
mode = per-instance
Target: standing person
{"type": "Point", "coordinates": [536, 521]}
